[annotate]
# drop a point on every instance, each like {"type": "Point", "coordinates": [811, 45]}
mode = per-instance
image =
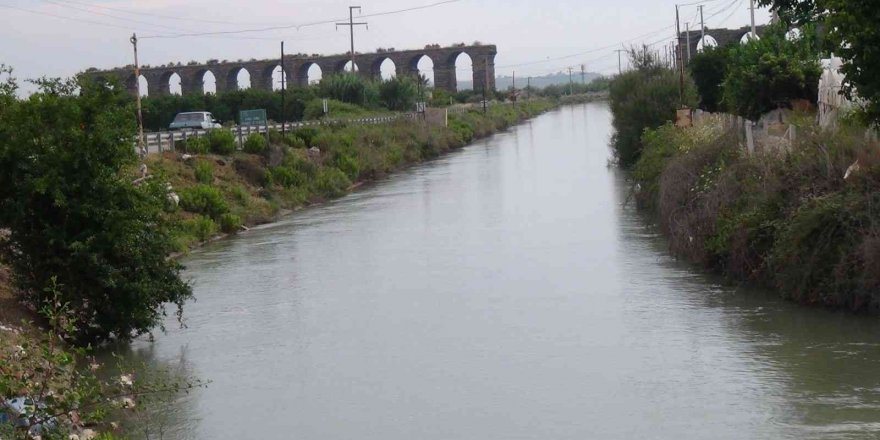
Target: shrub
{"type": "Point", "coordinates": [399, 93]}
{"type": "Point", "coordinates": [221, 141]}
{"type": "Point", "coordinates": [294, 141]}
{"type": "Point", "coordinates": [72, 216]}
{"type": "Point", "coordinates": [197, 145]}
{"type": "Point", "coordinates": [646, 97]}
{"type": "Point", "coordinates": [307, 134]}
{"type": "Point", "coordinates": [230, 223]}
{"type": "Point", "coordinates": [708, 69]}
{"type": "Point", "coordinates": [348, 163]}
{"type": "Point", "coordinates": [332, 182]}
{"type": "Point", "coordinates": [255, 144]}
{"type": "Point", "coordinates": [204, 172]}
{"type": "Point", "coordinates": [288, 177]}
{"type": "Point", "coordinates": [769, 73]}
{"type": "Point", "coordinates": [200, 227]}
{"type": "Point", "coordinates": [203, 199]}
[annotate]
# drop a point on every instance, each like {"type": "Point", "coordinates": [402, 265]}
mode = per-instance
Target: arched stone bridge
{"type": "Point", "coordinates": [296, 68]}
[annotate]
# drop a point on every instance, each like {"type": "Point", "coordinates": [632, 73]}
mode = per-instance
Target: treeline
{"type": "Point", "coordinates": [803, 219]}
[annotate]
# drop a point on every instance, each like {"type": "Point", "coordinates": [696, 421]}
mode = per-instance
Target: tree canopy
{"type": "Point", "coordinates": [75, 219]}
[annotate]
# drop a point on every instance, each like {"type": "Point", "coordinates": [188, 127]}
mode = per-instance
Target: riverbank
{"type": "Point", "coordinates": [803, 220]}
{"type": "Point", "coordinates": [221, 195]}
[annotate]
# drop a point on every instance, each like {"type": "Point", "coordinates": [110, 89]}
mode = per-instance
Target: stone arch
{"type": "Point", "coordinates": [747, 37]}
{"type": "Point", "coordinates": [170, 83]}
{"type": "Point", "coordinates": [383, 67]}
{"type": "Point", "coordinates": [707, 41]}
{"type": "Point", "coordinates": [232, 78]}
{"type": "Point", "coordinates": [131, 83]}
{"type": "Point", "coordinates": [207, 81]}
{"type": "Point", "coordinates": [344, 66]}
{"type": "Point", "coordinates": [308, 73]}
{"type": "Point", "coordinates": [420, 64]}
{"type": "Point", "coordinates": [276, 73]}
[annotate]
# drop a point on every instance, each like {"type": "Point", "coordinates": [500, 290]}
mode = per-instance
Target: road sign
{"type": "Point", "coordinates": [253, 117]}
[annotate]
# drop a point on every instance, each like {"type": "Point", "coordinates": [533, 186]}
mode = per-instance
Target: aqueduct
{"type": "Point", "coordinates": [296, 68]}
{"type": "Point", "coordinates": [688, 42]}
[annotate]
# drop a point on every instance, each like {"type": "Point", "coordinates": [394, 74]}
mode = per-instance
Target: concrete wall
{"type": "Point", "coordinates": [296, 70]}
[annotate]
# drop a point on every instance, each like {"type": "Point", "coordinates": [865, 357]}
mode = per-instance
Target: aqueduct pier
{"type": "Point", "coordinates": [296, 68]}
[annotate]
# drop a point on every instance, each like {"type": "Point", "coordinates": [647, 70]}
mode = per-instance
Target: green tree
{"type": "Point", "coordinates": [851, 33]}
{"type": "Point", "coordinates": [399, 94]}
{"type": "Point", "coordinates": [349, 88]}
{"type": "Point", "coordinates": [771, 72]}
{"type": "Point", "coordinates": [645, 97]}
{"type": "Point", "coordinates": [74, 215]}
{"type": "Point", "coordinates": [708, 69]}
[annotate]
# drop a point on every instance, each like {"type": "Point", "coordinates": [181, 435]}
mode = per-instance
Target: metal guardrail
{"type": "Point", "coordinates": [161, 141]}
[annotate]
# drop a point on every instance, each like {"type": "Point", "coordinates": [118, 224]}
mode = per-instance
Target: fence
{"type": "Point", "coordinates": [158, 142]}
{"type": "Point", "coordinates": [771, 133]}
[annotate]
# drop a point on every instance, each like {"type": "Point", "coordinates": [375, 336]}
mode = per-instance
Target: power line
{"type": "Point", "coordinates": [167, 17]}
{"type": "Point", "coordinates": [114, 16]}
{"type": "Point", "coordinates": [299, 26]}
{"type": "Point", "coordinates": [49, 14]}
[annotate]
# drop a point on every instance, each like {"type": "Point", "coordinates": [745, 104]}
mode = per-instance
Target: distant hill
{"type": "Point", "coordinates": [505, 82]}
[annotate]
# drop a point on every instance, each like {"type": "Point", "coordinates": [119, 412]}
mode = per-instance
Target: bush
{"type": "Point", "coordinates": [203, 199]}
{"type": "Point", "coordinates": [646, 97]}
{"type": "Point", "coordinates": [332, 183]}
{"type": "Point", "coordinates": [307, 134]}
{"type": "Point", "coordinates": [255, 144]}
{"type": "Point", "coordinates": [200, 227]}
{"type": "Point", "coordinates": [221, 141]}
{"type": "Point", "coordinates": [288, 177]}
{"type": "Point", "coordinates": [399, 93]}
{"type": "Point", "coordinates": [197, 145]}
{"type": "Point", "coordinates": [230, 223]}
{"type": "Point", "coordinates": [708, 69]}
{"type": "Point", "coordinates": [769, 73]}
{"type": "Point", "coordinates": [294, 141]}
{"type": "Point", "coordinates": [349, 88]}
{"type": "Point", "coordinates": [73, 218]}
{"type": "Point", "coordinates": [204, 172]}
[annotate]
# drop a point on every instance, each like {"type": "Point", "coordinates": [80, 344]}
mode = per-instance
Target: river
{"type": "Point", "coordinates": [504, 291]}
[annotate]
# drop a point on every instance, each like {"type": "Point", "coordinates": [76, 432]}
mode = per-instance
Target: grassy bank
{"type": "Point", "coordinates": [805, 222]}
{"type": "Point", "coordinates": [222, 193]}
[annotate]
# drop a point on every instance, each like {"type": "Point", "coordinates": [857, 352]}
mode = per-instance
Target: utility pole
{"type": "Point", "coordinates": [680, 57]}
{"type": "Point", "coordinates": [619, 65]}
{"type": "Point", "coordinates": [754, 30]}
{"type": "Point", "coordinates": [486, 86]}
{"type": "Point", "coordinates": [570, 83]}
{"type": "Point", "coordinates": [283, 91]}
{"type": "Point", "coordinates": [351, 24]}
{"type": "Point", "coordinates": [137, 78]}
{"type": "Point", "coordinates": [514, 88]}
{"type": "Point", "coordinates": [529, 89]}
{"type": "Point", "coordinates": [702, 28]}
{"type": "Point", "coordinates": [687, 27]}
{"type": "Point", "coordinates": [583, 74]}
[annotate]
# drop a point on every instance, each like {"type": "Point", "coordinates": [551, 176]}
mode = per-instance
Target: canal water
{"type": "Point", "coordinates": [505, 291]}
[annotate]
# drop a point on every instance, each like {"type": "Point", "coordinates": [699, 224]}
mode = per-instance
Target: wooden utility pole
{"type": "Point", "coordinates": [351, 24]}
{"type": "Point", "coordinates": [702, 28]}
{"type": "Point", "coordinates": [754, 30]}
{"type": "Point", "coordinates": [680, 57]}
{"type": "Point", "coordinates": [283, 91]}
{"type": "Point", "coordinates": [570, 82]}
{"type": "Point", "coordinates": [619, 65]}
{"type": "Point", "coordinates": [687, 27]}
{"type": "Point", "coordinates": [137, 79]}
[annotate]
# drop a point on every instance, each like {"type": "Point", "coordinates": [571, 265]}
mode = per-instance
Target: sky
{"type": "Point", "coordinates": [58, 38]}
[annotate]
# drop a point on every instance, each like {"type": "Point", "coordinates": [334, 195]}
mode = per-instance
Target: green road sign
{"type": "Point", "coordinates": [253, 117]}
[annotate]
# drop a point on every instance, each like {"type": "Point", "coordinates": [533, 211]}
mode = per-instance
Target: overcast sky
{"type": "Point", "coordinates": [63, 37]}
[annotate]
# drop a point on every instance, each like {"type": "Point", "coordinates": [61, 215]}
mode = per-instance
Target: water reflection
{"type": "Point", "coordinates": [504, 291]}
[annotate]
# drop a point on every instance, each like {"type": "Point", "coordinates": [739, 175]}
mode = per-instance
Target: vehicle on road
{"type": "Point", "coordinates": [194, 120]}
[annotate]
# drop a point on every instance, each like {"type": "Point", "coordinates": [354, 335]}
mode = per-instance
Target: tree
{"type": "Point", "coordinates": [853, 34]}
{"type": "Point", "coordinates": [74, 215]}
{"type": "Point", "coordinates": [645, 97]}
{"type": "Point", "coordinates": [708, 69]}
{"type": "Point", "coordinates": [399, 94]}
{"type": "Point", "coordinates": [769, 73]}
